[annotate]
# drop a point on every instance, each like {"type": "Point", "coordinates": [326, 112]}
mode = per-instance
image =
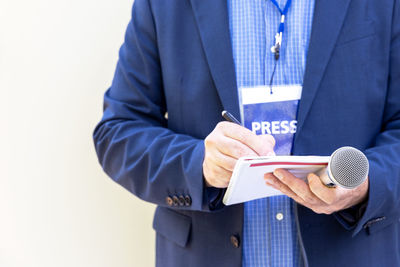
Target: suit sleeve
{"type": "Point", "coordinates": [132, 141]}
{"type": "Point", "coordinates": [382, 207]}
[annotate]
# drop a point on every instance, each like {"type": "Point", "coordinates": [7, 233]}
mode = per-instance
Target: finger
{"type": "Point", "coordinates": [224, 161]}
{"type": "Point", "coordinates": [298, 186]}
{"type": "Point", "coordinates": [319, 206]}
{"type": "Point", "coordinates": [226, 145]}
{"type": "Point", "coordinates": [326, 194]}
{"type": "Point", "coordinates": [216, 176]}
{"type": "Point", "coordinates": [261, 146]}
{"type": "Point", "coordinates": [234, 148]}
{"type": "Point", "coordinates": [269, 143]}
{"type": "Point", "coordinates": [274, 182]}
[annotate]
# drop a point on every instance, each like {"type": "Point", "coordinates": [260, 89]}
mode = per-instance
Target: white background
{"type": "Point", "coordinates": [57, 207]}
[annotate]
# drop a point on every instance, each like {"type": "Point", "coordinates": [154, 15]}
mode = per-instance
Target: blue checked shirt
{"type": "Point", "coordinates": [269, 231]}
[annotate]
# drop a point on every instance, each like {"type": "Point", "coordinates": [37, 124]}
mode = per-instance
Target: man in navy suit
{"type": "Point", "coordinates": [177, 60]}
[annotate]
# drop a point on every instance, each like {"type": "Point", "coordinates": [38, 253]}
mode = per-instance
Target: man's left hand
{"type": "Point", "coordinates": [315, 195]}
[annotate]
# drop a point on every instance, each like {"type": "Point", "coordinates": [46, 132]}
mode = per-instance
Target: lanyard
{"type": "Point", "coordinates": [278, 37]}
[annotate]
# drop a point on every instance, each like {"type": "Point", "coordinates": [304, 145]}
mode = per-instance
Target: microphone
{"type": "Point", "coordinates": [348, 167]}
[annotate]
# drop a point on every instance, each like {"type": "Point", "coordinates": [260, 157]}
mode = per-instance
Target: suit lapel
{"type": "Point", "coordinates": [213, 24]}
{"type": "Point", "coordinates": [327, 22]}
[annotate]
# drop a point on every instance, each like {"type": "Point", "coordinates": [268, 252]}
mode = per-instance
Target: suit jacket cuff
{"type": "Point", "coordinates": [380, 209]}
{"type": "Point", "coordinates": [349, 218]}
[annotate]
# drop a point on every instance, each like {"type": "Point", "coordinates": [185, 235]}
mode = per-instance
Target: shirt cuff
{"type": "Point", "coordinates": [214, 197]}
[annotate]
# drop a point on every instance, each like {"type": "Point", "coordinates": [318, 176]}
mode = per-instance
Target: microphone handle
{"type": "Point", "coordinates": [325, 177]}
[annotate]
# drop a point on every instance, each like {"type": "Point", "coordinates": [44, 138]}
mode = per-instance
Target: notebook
{"type": "Point", "coordinates": [247, 181]}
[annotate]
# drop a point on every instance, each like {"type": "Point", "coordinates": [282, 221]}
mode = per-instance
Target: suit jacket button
{"type": "Point", "coordinates": [235, 241]}
{"type": "Point", "coordinates": [169, 201]}
{"type": "Point", "coordinates": [181, 200]}
{"type": "Point", "coordinates": [188, 200]}
{"type": "Point", "coordinates": [175, 200]}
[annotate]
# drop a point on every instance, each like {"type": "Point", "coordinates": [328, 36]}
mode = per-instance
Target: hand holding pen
{"type": "Point", "coordinates": [226, 144]}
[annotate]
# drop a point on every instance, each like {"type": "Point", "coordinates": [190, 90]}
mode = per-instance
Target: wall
{"type": "Point", "coordinates": [57, 208]}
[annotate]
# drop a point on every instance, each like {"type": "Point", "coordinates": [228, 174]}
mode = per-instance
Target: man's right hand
{"type": "Point", "coordinates": [225, 145]}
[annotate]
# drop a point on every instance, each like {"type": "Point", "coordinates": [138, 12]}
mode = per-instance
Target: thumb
{"type": "Point", "coordinates": [269, 144]}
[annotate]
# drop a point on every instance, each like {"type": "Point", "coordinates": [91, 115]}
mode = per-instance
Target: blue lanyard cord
{"type": "Point", "coordinates": [283, 13]}
{"type": "Point", "coordinates": [278, 38]}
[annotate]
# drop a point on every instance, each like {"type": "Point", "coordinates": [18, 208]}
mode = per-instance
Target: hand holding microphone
{"type": "Point", "coordinates": [344, 183]}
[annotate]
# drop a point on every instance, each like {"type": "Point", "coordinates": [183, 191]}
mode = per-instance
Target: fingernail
{"type": "Point", "coordinates": [269, 182]}
{"type": "Point", "coordinates": [312, 176]}
{"type": "Point", "coordinates": [278, 175]}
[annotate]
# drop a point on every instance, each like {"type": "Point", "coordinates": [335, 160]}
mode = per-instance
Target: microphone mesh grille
{"type": "Point", "coordinates": [349, 167]}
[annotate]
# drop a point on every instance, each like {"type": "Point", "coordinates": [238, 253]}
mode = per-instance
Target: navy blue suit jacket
{"type": "Point", "coordinates": [177, 58]}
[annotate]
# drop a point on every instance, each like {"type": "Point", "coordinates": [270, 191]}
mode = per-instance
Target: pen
{"type": "Point", "coordinates": [229, 117]}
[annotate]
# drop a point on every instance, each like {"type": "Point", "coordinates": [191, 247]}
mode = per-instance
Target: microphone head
{"type": "Point", "coordinates": [348, 167]}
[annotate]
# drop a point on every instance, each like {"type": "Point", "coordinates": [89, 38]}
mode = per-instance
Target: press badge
{"type": "Point", "coordinates": [274, 112]}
